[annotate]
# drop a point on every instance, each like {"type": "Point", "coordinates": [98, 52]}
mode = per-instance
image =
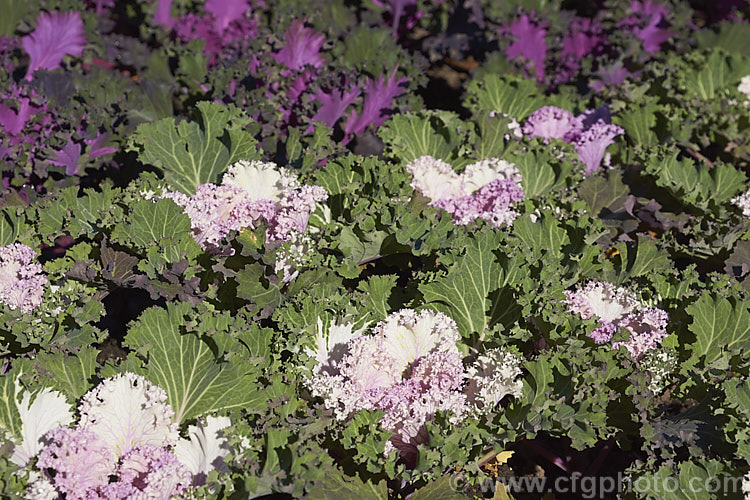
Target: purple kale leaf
{"type": "Point", "coordinates": [56, 34]}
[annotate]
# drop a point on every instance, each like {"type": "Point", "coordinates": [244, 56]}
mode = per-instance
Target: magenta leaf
{"type": "Point", "coordinates": [529, 44]}
{"type": "Point", "coordinates": [97, 146]}
{"type": "Point", "coordinates": [379, 96]}
{"type": "Point", "coordinates": [610, 76]}
{"type": "Point", "coordinates": [592, 144]}
{"type": "Point", "coordinates": [163, 14]}
{"type": "Point", "coordinates": [397, 8]}
{"type": "Point", "coordinates": [226, 11]}
{"type": "Point", "coordinates": [653, 34]}
{"type": "Point", "coordinates": [56, 35]}
{"type": "Point", "coordinates": [68, 157]}
{"type": "Point", "coordinates": [583, 37]}
{"type": "Point", "coordinates": [302, 47]}
{"type": "Point", "coordinates": [334, 104]}
{"type": "Point", "coordinates": [14, 121]}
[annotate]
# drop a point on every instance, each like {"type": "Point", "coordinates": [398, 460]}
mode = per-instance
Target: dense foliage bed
{"type": "Point", "coordinates": [374, 249]}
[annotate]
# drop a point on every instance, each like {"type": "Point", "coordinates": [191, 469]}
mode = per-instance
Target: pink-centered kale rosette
{"type": "Point", "coordinates": [590, 133]}
{"type": "Point", "coordinates": [410, 368]}
{"type": "Point", "coordinates": [618, 309]}
{"type": "Point", "coordinates": [486, 190]}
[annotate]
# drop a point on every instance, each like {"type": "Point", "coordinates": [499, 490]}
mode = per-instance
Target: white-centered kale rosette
{"type": "Point", "coordinates": [254, 193]}
{"type": "Point", "coordinates": [21, 279]}
{"type": "Point", "coordinates": [124, 445]}
{"type": "Point", "coordinates": [408, 366]}
{"type": "Point", "coordinates": [486, 190]}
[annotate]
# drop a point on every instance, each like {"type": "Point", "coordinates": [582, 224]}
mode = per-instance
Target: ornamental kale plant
{"type": "Point", "coordinates": [374, 249]}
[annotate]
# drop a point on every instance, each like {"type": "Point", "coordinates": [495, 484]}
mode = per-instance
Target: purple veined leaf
{"type": "Point", "coordinates": [378, 98]}
{"type": "Point", "coordinates": [401, 8]}
{"type": "Point", "coordinates": [194, 27]}
{"type": "Point", "coordinates": [163, 14]}
{"type": "Point", "coordinates": [583, 37]}
{"type": "Point", "coordinates": [204, 27]}
{"type": "Point", "coordinates": [68, 157]}
{"type": "Point", "coordinates": [652, 35]}
{"type": "Point", "coordinates": [333, 104]}
{"type": "Point", "coordinates": [300, 84]}
{"type": "Point", "coordinates": [645, 213]}
{"type": "Point", "coordinates": [398, 7]}
{"type": "Point", "coordinates": [14, 121]}
{"type": "Point", "coordinates": [97, 146]}
{"type": "Point", "coordinates": [226, 11]}
{"type": "Point", "coordinates": [56, 34]}
{"type": "Point", "coordinates": [529, 43]}
{"type": "Point", "coordinates": [610, 77]}
{"type": "Point", "coordinates": [254, 64]}
{"type": "Point", "coordinates": [649, 8]}
{"type": "Point", "coordinates": [592, 144]}
{"type": "Point", "coordinates": [302, 47]}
